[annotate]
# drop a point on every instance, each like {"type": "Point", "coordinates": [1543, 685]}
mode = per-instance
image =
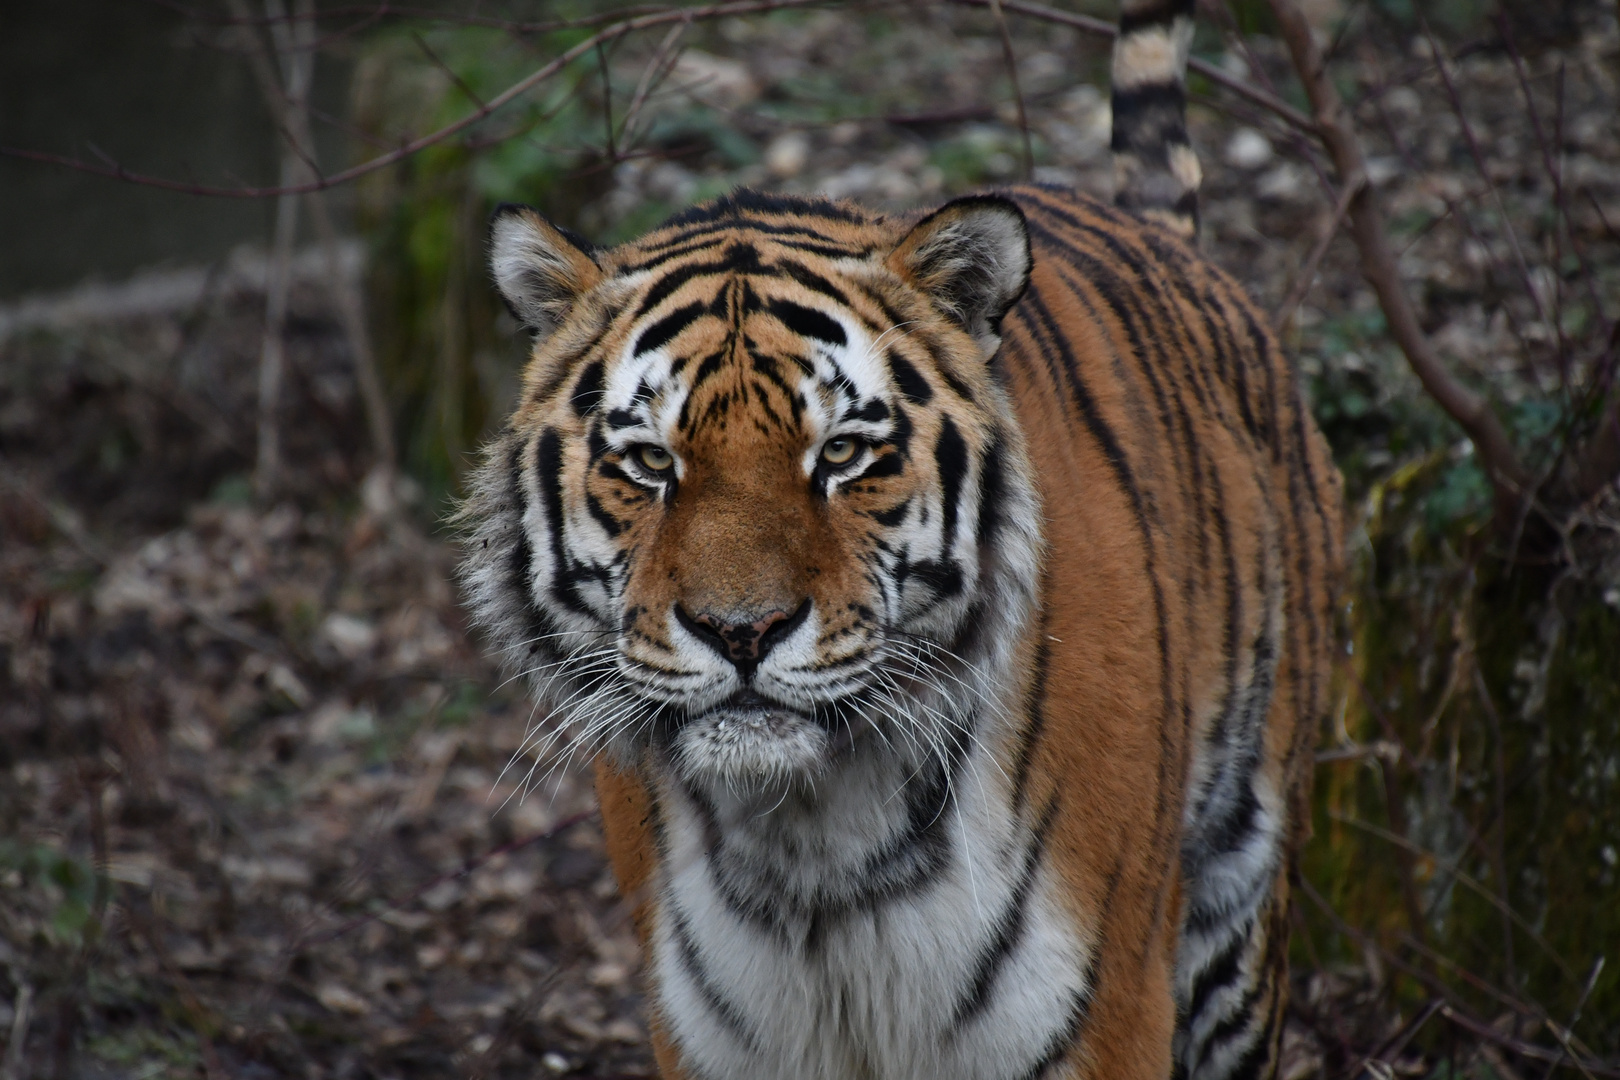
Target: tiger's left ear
{"type": "Point", "coordinates": [972, 258]}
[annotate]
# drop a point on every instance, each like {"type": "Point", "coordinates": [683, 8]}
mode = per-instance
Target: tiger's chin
{"type": "Point", "coordinates": [741, 747]}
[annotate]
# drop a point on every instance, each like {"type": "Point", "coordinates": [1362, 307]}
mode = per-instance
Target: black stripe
{"type": "Point", "coordinates": [1237, 1023]}
{"type": "Point", "coordinates": [548, 468]}
{"type": "Point", "coordinates": [1008, 932]}
{"type": "Point", "coordinates": [666, 286]}
{"type": "Point", "coordinates": [1064, 1038]}
{"type": "Point", "coordinates": [1157, 13]}
{"type": "Point", "coordinates": [814, 282]}
{"type": "Point", "coordinates": [907, 862]}
{"type": "Point", "coordinates": [754, 267]}
{"type": "Point", "coordinates": [1254, 1063]}
{"type": "Point", "coordinates": [665, 329]}
{"type": "Point", "coordinates": [874, 411]}
{"type": "Point", "coordinates": [771, 229]}
{"type": "Point", "coordinates": [1217, 975]}
{"type": "Point", "coordinates": [1036, 313]}
{"type": "Point", "coordinates": [910, 380]}
{"type": "Point", "coordinates": [548, 464]}
{"type": "Point", "coordinates": [610, 524]}
{"type": "Point", "coordinates": [883, 465]}
{"type": "Point", "coordinates": [540, 625]}
{"type": "Point", "coordinates": [1034, 705]}
{"type": "Point", "coordinates": [893, 516]}
{"type": "Point", "coordinates": [1149, 118]}
{"type": "Point", "coordinates": [737, 257]}
{"type": "Point", "coordinates": [747, 201]}
{"type": "Point", "coordinates": [958, 387]}
{"type": "Point", "coordinates": [951, 458]}
{"type": "Point", "coordinates": [943, 577]}
{"type": "Point", "coordinates": [992, 490]}
{"type": "Point", "coordinates": [724, 1010]}
{"type": "Point", "coordinates": [587, 393]}
{"type": "Point", "coordinates": [808, 322]}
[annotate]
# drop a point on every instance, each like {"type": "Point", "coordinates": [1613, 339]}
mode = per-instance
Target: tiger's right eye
{"type": "Point", "coordinates": [656, 458]}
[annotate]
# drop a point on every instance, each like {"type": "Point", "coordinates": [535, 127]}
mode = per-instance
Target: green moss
{"type": "Point", "coordinates": [1500, 683]}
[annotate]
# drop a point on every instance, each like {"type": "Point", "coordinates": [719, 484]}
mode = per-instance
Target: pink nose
{"type": "Point", "coordinates": [743, 643]}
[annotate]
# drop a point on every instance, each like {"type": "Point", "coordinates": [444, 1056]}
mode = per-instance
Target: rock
{"type": "Point", "coordinates": [351, 636]}
{"type": "Point", "coordinates": [787, 154]}
{"type": "Point", "coordinates": [1247, 149]}
{"type": "Point", "coordinates": [341, 999]}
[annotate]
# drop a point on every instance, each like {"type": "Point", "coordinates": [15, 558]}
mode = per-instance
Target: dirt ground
{"type": "Point", "coordinates": [265, 809]}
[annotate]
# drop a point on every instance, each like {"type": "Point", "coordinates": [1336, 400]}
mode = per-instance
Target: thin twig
{"type": "Point", "coordinates": [1018, 92]}
{"type": "Point", "coordinates": [607, 103]}
{"type": "Point", "coordinates": [425, 14]}
{"type": "Point", "coordinates": [1484, 174]}
{"type": "Point", "coordinates": [663, 61]}
{"type": "Point", "coordinates": [1481, 1030]}
{"type": "Point", "coordinates": [1568, 1029]}
{"type": "Point", "coordinates": [1452, 1010]}
{"type": "Point", "coordinates": [1307, 270]}
{"type": "Point", "coordinates": [1393, 1047]}
{"type": "Point", "coordinates": [1463, 878]}
{"type": "Point", "coordinates": [1498, 848]}
{"type": "Point", "coordinates": [22, 1006]}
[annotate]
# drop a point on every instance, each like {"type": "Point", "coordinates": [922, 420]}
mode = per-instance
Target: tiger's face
{"type": "Point", "coordinates": [762, 503]}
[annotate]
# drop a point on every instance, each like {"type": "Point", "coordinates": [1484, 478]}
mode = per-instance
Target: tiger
{"type": "Point", "coordinates": [946, 603]}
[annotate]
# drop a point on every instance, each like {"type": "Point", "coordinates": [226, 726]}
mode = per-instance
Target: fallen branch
{"type": "Point", "coordinates": [1451, 1010]}
{"type": "Point", "coordinates": [1518, 1046]}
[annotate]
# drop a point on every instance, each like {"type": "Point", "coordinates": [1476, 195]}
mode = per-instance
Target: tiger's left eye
{"type": "Point", "coordinates": [838, 451]}
{"type": "Point", "coordinates": [656, 458]}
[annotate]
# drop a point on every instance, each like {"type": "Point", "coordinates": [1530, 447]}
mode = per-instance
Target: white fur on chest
{"type": "Point", "coordinates": [775, 958]}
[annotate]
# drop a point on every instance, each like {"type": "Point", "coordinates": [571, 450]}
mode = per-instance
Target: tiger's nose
{"type": "Point", "coordinates": [745, 644]}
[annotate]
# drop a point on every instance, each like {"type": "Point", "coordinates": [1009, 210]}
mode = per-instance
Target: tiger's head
{"type": "Point", "coordinates": [762, 502]}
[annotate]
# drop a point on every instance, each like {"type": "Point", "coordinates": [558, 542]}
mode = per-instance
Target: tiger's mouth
{"type": "Point", "coordinates": [747, 740]}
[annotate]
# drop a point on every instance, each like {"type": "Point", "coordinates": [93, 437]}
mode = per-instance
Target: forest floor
{"type": "Point", "coordinates": [264, 805]}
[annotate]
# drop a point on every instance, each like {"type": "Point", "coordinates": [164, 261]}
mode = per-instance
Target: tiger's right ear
{"type": "Point", "coordinates": [540, 269]}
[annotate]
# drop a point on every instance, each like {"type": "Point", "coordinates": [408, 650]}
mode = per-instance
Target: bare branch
{"type": "Point", "coordinates": [1472, 412]}
{"type": "Point", "coordinates": [611, 33]}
